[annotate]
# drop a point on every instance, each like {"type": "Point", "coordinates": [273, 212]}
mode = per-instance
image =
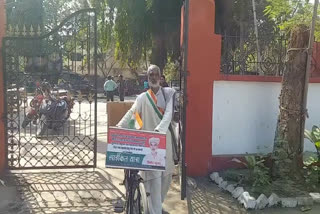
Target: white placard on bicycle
{"type": "Point", "coordinates": [136, 149]}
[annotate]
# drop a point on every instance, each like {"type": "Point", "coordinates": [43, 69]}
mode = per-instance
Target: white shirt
{"type": "Point", "coordinates": [152, 122]}
{"type": "Point", "coordinates": [167, 105]}
{"type": "Point", "coordinates": [167, 117]}
{"type": "Point", "coordinates": [157, 160]}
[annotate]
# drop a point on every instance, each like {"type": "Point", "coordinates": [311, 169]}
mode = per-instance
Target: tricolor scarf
{"type": "Point", "coordinates": [159, 111]}
{"type": "Point", "coordinates": [136, 121]}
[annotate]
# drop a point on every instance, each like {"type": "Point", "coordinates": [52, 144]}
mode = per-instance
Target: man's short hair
{"type": "Point", "coordinates": [154, 68]}
{"type": "Point", "coordinates": [109, 77]}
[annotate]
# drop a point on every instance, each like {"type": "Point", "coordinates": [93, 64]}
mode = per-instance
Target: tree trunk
{"type": "Point", "coordinates": [242, 52]}
{"type": "Point", "coordinates": [243, 24]}
{"type": "Point", "coordinates": [287, 153]}
{"type": "Point", "coordinates": [159, 51]}
{"type": "Point", "coordinates": [159, 44]}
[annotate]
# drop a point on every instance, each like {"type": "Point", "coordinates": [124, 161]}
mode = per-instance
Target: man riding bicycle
{"type": "Point", "coordinates": [152, 111]}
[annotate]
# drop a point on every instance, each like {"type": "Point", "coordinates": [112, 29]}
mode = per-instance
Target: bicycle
{"type": "Point", "coordinates": [120, 156]}
{"type": "Point", "coordinates": [136, 196]}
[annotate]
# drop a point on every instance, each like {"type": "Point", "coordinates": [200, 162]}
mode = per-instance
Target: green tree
{"type": "Point", "coordinates": [35, 17]}
{"type": "Point", "coordinates": [235, 18]}
{"type": "Point", "coordinates": [294, 17]}
{"type": "Point", "coordinates": [171, 70]}
{"type": "Point", "coordinates": [44, 13]}
{"type": "Point", "coordinates": [106, 41]}
{"type": "Point", "coordinates": [22, 17]}
{"type": "Point", "coordinates": [25, 12]}
{"type": "Point", "coordinates": [140, 29]}
{"type": "Point", "coordinates": [286, 14]}
{"type": "Point", "coordinates": [236, 24]}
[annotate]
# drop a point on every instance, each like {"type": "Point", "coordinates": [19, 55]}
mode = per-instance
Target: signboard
{"type": "Point", "coordinates": [135, 149]}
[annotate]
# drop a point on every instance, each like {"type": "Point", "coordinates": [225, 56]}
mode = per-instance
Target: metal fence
{"type": "Point", "coordinates": [239, 55]}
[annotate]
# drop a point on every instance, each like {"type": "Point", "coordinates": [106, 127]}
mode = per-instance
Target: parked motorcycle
{"type": "Point", "coordinates": [48, 111]}
{"type": "Point", "coordinates": [53, 114]}
{"type": "Point", "coordinates": [33, 112]}
{"type": "Point", "coordinates": [64, 95]}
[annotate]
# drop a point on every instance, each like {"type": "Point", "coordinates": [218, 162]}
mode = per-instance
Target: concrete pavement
{"type": "Point", "coordinates": [74, 190]}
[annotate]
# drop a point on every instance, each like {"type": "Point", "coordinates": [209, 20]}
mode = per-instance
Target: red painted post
{"type": "Point", "coordinates": [2, 136]}
{"type": "Point", "coordinates": [204, 52]}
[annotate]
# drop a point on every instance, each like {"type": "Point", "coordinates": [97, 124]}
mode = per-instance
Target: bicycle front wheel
{"type": "Point", "coordinates": [137, 202]}
{"type": "Point", "coordinates": [143, 199]}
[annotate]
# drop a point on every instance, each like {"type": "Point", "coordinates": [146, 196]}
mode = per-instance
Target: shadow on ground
{"type": "Point", "coordinates": [63, 192]}
{"type": "Point", "coordinates": [203, 197]}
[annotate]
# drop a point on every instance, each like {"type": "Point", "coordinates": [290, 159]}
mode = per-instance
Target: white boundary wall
{"type": "Point", "coordinates": [245, 116]}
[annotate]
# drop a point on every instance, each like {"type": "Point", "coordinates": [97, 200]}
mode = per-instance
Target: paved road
{"type": "Point", "coordinates": [94, 191]}
{"type": "Point", "coordinates": [71, 191]}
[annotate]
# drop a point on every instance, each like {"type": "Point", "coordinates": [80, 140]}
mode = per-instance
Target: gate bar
{"type": "Point", "coordinates": [185, 101]}
{"type": "Point", "coordinates": [96, 89]}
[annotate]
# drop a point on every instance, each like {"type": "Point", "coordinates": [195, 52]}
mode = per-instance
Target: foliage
{"type": "Point", "coordinates": [105, 17]}
{"type": "Point", "coordinates": [46, 13]}
{"type": "Point", "coordinates": [57, 10]}
{"type": "Point", "coordinates": [106, 60]}
{"type": "Point", "coordinates": [171, 71]}
{"type": "Point", "coordinates": [25, 12]}
{"type": "Point", "coordinates": [21, 15]}
{"type": "Point", "coordinates": [134, 27]}
{"type": "Point", "coordinates": [289, 13]}
{"type": "Point", "coordinates": [313, 165]}
{"type": "Point", "coordinates": [260, 175]}
{"type": "Point", "coordinates": [240, 37]}
{"type": "Point", "coordinates": [312, 169]}
{"type": "Point", "coordinates": [134, 31]}
{"type": "Point", "coordinates": [237, 18]}
{"type": "Point", "coordinates": [118, 33]}
{"type": "Point", "coordinates": [314, 137]}
{"type": "Point", "coordinates": [106, 41]}
{"type": "Point", "coordinates": [42, 16]}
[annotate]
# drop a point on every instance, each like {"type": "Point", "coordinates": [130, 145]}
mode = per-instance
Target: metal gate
{"type": "Point", "coordinates": [60, 57]}
{"type": "Point", "coordinates": [184, 99]}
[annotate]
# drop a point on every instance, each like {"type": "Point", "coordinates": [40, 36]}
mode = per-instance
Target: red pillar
{"type": "Point", "coordinates": [204, 50]}
{"type": "Point", "coordinates": [2, 138]}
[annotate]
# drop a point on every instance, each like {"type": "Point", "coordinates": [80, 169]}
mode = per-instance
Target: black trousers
{"type": "Point", "coordinates": [110, 96]}
{"type": "Point", "coordinates": [121, 95]}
